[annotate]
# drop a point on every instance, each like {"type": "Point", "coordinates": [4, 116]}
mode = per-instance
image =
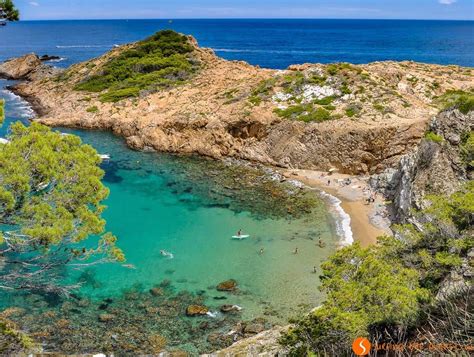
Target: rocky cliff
{"type": "Point", "coordinates": [360, 119]}
{"type": "Point", "coordinates": [437, 166]}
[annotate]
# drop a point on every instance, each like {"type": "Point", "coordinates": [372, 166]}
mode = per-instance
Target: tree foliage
{"type": "Point", "coordinates": [50, 208]}
{"type": "Point", "coordinates": [11, 12]}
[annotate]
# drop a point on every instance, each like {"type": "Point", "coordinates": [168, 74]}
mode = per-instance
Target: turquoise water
{"type": "Point", "coordinates": [191, 207]}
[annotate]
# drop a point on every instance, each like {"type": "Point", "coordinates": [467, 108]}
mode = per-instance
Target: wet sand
{"type": "Point", "coordinates": [368, 221]}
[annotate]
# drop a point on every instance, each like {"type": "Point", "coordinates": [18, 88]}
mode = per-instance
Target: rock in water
{"type": "Point", "coordinates": [49, 58]}
{"type": "Point", "coordinates": [229, 308]}
{"type": "Point", "coordinates": [156, 291]}
{"type": "Point", "coordinates": [228, 285]}
{"type": "Point", "coordinates": [19, 68]}
{"type": "Point", "coordinates": [196, 310]}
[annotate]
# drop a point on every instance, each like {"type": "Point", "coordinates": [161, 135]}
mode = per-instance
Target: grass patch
{"type": "Point", "coordinates": [430, 136]}
{"type": "Point", "coordinates": [93, 109]}
{"type": "Point", "coordinates": [160, 61]}
{"type": "Point", "coordinates": [304, 112]}
{"type": "Point", "coordinates": [462, 100]}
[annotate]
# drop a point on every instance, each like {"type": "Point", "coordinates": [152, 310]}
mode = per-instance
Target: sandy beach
{"type": "Point", "coordinates": [368, 221]}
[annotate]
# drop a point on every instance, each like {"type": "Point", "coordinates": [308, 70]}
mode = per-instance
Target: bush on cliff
{"type": "Point", "coordinates": [159, 61]}
{"type": "Point", "coordinates": [463, 100]}
{"type": "Point", "coordinates": [386, 292]}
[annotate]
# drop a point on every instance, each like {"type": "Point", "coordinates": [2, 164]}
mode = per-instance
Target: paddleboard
{"type": "Point", "coordinates": [241, 236]}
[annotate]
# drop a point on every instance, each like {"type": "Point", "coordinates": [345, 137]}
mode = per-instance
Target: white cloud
{"type": "Point", "coordinates": [34, 3]}
{"type": "Point", "coordinates": [447, 2]}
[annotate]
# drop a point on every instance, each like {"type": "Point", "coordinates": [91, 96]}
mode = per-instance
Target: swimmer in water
{"type": "Point", "coordinates": [296, 251]}
{"type": "Point", "coordinates": [314, 269]}
{"type": "Point", "coordinates": [261, 251]}
{"type": "Point", "coordinates": [164, 253]}
{"type": "Point", "coordinates": [321, 243]}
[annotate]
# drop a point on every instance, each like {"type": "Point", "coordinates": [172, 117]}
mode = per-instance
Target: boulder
{"type": "Point", "coordinates": [228, 285]}
{"type": "Point", "coordinates": [229, 308]}
{"type": "Point", "coordinates": [196, 310]}
{"type": "Point", "coordinates": [156, 291]}
{"type": "Point", "coordinates": [106, 317]}
{"type": "Point", "coordinates": [19, 68]}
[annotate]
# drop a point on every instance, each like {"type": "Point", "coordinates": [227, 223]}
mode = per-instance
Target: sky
{"type": "Point", "coordinates": [172, 9]}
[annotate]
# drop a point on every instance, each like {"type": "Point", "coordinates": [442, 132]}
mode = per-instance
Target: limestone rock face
{"type": "Point", "coordinates": [19, 68]}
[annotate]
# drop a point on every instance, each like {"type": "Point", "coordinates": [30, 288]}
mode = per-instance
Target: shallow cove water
{"type": "Point", "coordinates": [192, 207]}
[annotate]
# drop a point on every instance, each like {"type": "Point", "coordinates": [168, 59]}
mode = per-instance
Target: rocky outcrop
{"type": "Point", "coordinates": [433, 168]}
{"type": "Point", "coordinates": [264, 344]}
{"type": "Point", "coordinates": [28, 67]}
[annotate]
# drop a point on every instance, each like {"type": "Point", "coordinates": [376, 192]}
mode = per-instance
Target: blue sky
{"type": "Point", "coordinates": [127, 9]}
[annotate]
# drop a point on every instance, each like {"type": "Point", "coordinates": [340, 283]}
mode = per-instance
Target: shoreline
{"type": "Point", "coordinates": [367, 221]}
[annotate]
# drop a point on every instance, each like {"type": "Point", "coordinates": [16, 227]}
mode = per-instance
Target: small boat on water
{"type": "Point", "coordinates": [104, 156]}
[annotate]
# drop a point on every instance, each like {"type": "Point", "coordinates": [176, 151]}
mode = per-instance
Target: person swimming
{"type": "Point", "coordinates": [295, 251]}
{"type": "Point", "coordinates": [261, 251]}
{"type": "Point", "coordinates": [164, 253]}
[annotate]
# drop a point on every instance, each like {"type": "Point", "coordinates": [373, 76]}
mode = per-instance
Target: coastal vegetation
{"type": "Point", "coordinates": [387, 292]}
{"type": "Point", "coordinates": [160, 61]}
{"type": "Point", "coordinates": [50, 209]}
{"type": "Point", "coordinates": [463, 100]}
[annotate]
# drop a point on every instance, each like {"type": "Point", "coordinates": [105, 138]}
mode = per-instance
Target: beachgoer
{"type": "Point", "coordinates": [321, 243]}
{"type": "Point", "coordinates": [329, 182]}
{"type": "Point", "coordinates": [261, 251]}
{"type": "Point", "coordinates": [314, 269]}
{"type": "Point", "coordinates": [296, 251]}
{"type": "Point", "coordinates": [239, 233]}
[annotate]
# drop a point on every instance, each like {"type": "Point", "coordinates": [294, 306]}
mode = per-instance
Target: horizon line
{"type": "Point", "coordinates": [245, 18]}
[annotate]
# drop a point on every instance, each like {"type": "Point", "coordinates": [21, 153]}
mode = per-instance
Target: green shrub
{"type": "Point", "coordinates": [304, 112]}
{"type": "Point", "coordinates": [2, 110]}
{"type": "Point", "coordinates": [159, 61]}
{"type": "Point", "coordinates": [379, 107]}
{"type": "Point", "coordinates": [119, 94]}
{"type": "Point", "coordinates": [467, 149]}
{"type": "Point", "coordinates": [462, 100]}
{"type": "Point", "coordinates": [430, 136]}
{"type": "Point", "coordinates": [324, 101]}
{"type": "Point", "coordinates": [93, 109]}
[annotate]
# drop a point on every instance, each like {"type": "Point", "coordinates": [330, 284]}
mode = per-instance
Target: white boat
{"type": "Point", "coordinates": [104, 156]}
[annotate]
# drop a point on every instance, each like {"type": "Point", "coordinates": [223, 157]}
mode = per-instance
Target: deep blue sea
{"type": "Point", "coordinates": [268, 43]}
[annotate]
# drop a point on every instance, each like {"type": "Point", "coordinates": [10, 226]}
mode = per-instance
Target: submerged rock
{"type": "Point", "coordinates": [230, 308]}
{"type": "Point", "coordinates": [196, 310]}
{"type": "Point", "coordinates": [156, 291]}
{"type": "Point", "coordinates": [228, 285]}
{"type": "Point", "coordinates": [106, 317]}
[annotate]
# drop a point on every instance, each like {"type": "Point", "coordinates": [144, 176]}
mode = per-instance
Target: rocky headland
{"type": "Point", "coordinates": [360, 119]}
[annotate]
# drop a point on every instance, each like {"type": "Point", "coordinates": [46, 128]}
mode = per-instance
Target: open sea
{"type": "Point", "coordinates": [184, 204]}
